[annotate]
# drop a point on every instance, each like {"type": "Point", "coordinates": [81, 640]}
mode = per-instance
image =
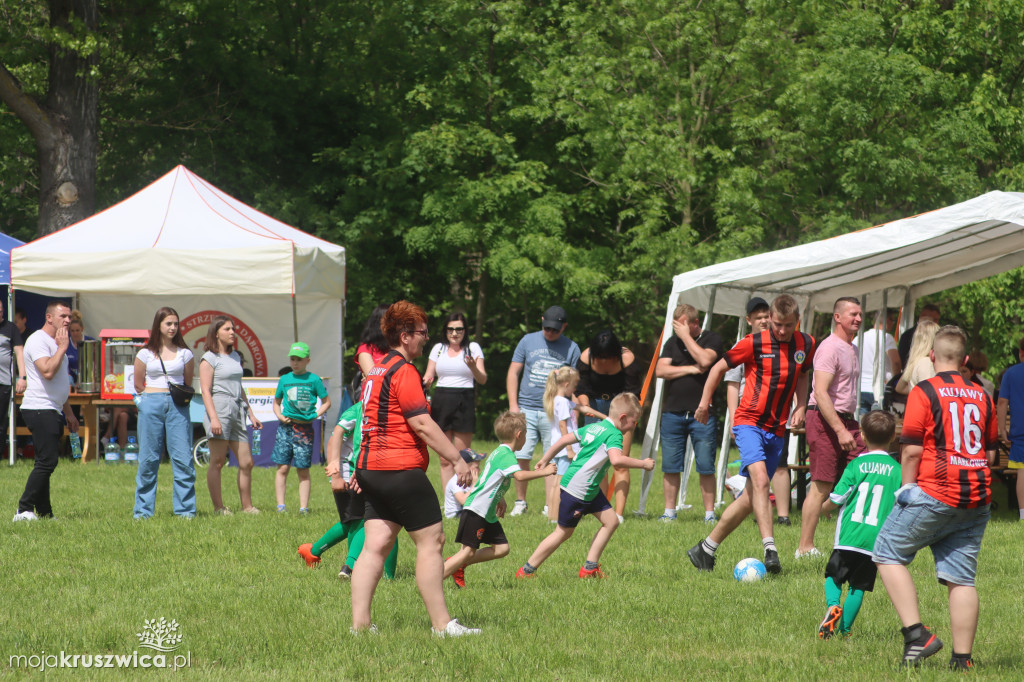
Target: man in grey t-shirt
{"type": "Point", "coordinates": [537, 354]}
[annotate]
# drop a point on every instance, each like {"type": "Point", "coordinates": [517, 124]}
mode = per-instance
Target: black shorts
{"type": "Point", "coordinates": [454, 409]}
{"type": "Point", "coordinates": [847, 566]}
{"type": "Point", "coordinates": [403, 497]}
{"type": "Point", "coordinates": [351, 506]}
{"type": "Point", "coordinates": [475, 530]}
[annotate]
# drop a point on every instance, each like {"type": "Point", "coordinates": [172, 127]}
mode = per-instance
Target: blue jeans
{"type": "Point", "coordinates": [675, 428]}
{"type": "Point", "coordinates": [601, 405]}
{"type": "Point", "coordinates": [538, 430]}
{"type": "Point", "coordinates": [161, 423]}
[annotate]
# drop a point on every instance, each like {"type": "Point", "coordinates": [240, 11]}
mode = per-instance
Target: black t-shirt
{"type": "Point", "coordinates": [683, 394]}
{"type": "Point", "coordinates": [904, 346]}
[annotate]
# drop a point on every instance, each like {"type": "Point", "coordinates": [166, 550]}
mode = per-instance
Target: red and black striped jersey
{"type": "Point", "coordinates": [392, 392]}
{"type": "Point", "coordinates": [955, 423]}
{"type": "Point", "coordinates": [772, 370]}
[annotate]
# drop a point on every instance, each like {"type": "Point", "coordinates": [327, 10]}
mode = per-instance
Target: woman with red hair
{"type": "Point", "coordinates": [391, 472]}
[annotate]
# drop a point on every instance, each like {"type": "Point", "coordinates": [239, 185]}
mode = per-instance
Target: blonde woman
{"type": "Point", "coordinates": [220, 376]}
{"type": "Point", "coordinates": [919, 363]}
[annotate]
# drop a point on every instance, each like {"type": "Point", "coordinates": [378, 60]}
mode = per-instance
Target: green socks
{"type": "Point", "coordinates": [833, 593]}
{"type": "Point", "coordinates": [850, 609]}
{"type": "Point", "coordinates": [336, 534]}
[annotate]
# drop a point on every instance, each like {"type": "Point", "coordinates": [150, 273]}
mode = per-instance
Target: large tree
{"type": "Point", "coordinates": [63, 118]}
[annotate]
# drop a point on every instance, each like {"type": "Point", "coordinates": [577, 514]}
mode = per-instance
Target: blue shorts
{"type": "Point", "coordinates": [675, 428]}
{"type": "Point", "coordinates": [757, 445]}
{"type": "Point", "coordinates": [919, 520]}
{"type": "Point", "coordinates": [562, 463]}
{"type": "Point", "coordinates": [538, 430]}
{"type": "Point", "coordinates": [293, 445]}
{"type": "Point", "coordinates": [1016, 454]}
{"type": "Point", "coordinates": [572, 509]}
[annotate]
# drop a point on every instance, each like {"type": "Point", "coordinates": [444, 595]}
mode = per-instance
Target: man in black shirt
{"type": "Point", "coordinates": [684, 364]}
{"type": "Point", "coordinates": [930, 312]}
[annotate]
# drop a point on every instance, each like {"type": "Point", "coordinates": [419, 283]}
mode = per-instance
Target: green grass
{"type": "Point", "coordinates": [248, 607]}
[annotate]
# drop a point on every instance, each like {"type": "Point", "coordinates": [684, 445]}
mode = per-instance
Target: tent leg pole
{"type": "Point", "coordinates": [295, 320]}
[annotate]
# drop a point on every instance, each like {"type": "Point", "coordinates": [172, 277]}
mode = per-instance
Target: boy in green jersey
{"type": "Point", "coordinates": [601, 447]}
{"type": "Point", "coordinates": [342, 451]}
{"type": "Point", "coordinates": [864, 496]}
{"type": "Point", "coordinates": [478, 523]}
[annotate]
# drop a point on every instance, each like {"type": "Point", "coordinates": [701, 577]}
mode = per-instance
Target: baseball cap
{"type": "Point", "coordinates": [755, 303]}
{"type": "Point", "coordinates": [554, 318]}
{"type": "Point", "coordinates": [298, 350]}
{"type": "Point", "coordinates": [470, 456]}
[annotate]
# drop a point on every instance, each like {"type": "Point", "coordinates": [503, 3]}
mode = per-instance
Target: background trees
{"type": "Point", "coordinates": [502, 156]}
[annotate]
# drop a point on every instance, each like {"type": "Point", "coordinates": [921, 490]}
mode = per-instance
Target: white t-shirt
{"type": "Point", "coordinates": [867, 359]}
{"type": "Point", "coordinates": [155, 373]}
{"type": "Point", "coordinates": [44, 394]}
{"type": "Point", "coordinates": [565, 409]}
{"type": "Point", "coordinates": [453, 372]}
{"type": "Point", "coordinates": [451, 505]}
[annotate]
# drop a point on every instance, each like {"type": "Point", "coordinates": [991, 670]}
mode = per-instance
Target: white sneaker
{"type": "Point", "coordinates": [25, 516]}
{"type": "Point", "coordinates": [372, 630]}
{"type": "Point", "coordinates": [455, 629]}
{"type": "Point", "coordinates": [621, 518]}
{"type": "Point", "coordinates": [519, 508]}
{"type": "Point", "coordinates": [544, 511]}
{"type": "Point", "coordinates": [812, 552]}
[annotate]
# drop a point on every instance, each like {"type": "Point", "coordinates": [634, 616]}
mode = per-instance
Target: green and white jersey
{"type": "Point", "coordinates": [585, 473]}
{"type": "Point", "coordinates": [866, 493]}
{"type": "Point", "coordinates": [492, 484]}
{"type": "Point", "coordinates": [351, 423]}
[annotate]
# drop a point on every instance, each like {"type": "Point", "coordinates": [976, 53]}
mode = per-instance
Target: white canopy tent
{"type": "Point", "coordinates": [891, 264]}
{"type": "Point", "coordinates": [183, 243]}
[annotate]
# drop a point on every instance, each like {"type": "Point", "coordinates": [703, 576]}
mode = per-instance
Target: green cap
{"type": "Point", "coordinates": [298, 350]}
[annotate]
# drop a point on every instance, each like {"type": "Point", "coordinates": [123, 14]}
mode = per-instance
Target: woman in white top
{"type": "Point", "coordinates": [458, 367]}
{"type": "Point", "coordinates": [220, 376]}
{"type": "Point", "coordinates": [919, 363]}
{"type": "Point", "coordinates": [161, 422]}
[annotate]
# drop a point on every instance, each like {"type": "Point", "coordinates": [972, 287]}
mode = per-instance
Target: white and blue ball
{"type": "Point", "coordinates": [749, 571]}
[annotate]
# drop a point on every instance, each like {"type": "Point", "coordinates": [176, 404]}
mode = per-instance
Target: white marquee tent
{"type": "Point", "coordinates": [892, 264]}
{"type": "Point", "coordinates": [184, 243]}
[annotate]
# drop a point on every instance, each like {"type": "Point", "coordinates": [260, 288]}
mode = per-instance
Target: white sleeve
{"type": "Point", "coordinates": [144, 355]}
{"type": "Point", "coordinates": [186, 355]}
{"type": "Point", "coordinates": [435, 353]}
{"type": "Point", "coordinates": [562, 409]}
{"type": "Point", "coordinates": [890, 343]}
{"type": "Point", "coordinates": [475, 349]}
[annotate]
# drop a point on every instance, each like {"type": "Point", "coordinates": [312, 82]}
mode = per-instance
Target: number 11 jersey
{"type": "Point", "coordinates": [866, 492]}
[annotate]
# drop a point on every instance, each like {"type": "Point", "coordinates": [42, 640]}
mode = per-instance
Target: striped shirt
{"type": "Point", "coordinates": [955, 423]}
{"type": "Point", "coordinates": [771, 373]}
{"type": "Point", "coordinates": [392, 393]}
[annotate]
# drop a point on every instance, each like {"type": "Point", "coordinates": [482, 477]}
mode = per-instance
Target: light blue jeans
{"type": "Point", "coordinates": [161, 423]}
{"type": "Point", "coordinates": [538, 430]}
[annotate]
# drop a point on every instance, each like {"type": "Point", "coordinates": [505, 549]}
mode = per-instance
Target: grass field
{"type": "Point", "coordinates": [248, 607]}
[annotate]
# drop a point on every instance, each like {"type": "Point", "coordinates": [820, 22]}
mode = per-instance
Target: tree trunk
{"type": "Point", "coordinates": [68, 147]}
{"type": "Point", "coordinates": [66, 127]}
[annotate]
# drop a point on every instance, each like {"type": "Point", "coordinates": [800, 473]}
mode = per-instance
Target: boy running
{"type": "Point", "coordinates": [601, 447]}
{"type": "Point", "coordinates": [479, 517]}
{"type": "Point", "coordinates": [777, 361]}
{"type": "Point", "coordinates": [865, 495]}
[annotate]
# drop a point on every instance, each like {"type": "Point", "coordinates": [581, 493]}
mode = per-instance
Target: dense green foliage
{"type": "Point", "coordinates": [248, 607]}
{"type": "Point", "coordinates": [501, 156]}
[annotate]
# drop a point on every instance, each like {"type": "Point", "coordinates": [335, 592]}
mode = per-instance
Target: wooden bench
{"type": "Point", "coordinates": [1008, 476]}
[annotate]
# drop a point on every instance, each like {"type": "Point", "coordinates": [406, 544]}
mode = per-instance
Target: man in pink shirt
{"type": "Point", "coordinates": [833, 433]}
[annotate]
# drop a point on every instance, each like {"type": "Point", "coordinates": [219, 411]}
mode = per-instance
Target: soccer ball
{"type": "Point", "coordinates": [748, 571]}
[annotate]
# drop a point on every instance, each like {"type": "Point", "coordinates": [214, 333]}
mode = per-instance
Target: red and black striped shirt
{"type": "Point", "coordinates": [392, 392]}
{"type": "Point", "coordinates": [772, 370]}
{"type": "Point", "coordinates": [955, 424]}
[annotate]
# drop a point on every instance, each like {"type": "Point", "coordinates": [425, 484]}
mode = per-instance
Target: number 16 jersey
{"type": "Point", "coordinates": [866, 492]}
{"type": "Point", "coordinates": [955, 424]}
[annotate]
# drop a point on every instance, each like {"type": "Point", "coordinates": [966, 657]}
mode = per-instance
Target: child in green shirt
{"type": "Point", "coordinates": [601, 447]}
{"type": "Point", "coordinates": [478, 523]}
{"type": "Point", "coordinates": [864, 496]}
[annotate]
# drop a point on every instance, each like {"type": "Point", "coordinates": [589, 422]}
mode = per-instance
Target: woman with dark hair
{"type": "Point", "coordinates": [458, 364]}
{"type": "Point", "coordinates": [372, 346]}
{"type": "Point", "coordinates": [220, 377]}
{"type": "Point", "coordinates": [164, 358]}
{"type": "Point", "coordinates": [606, 369]}
{"type": "Point", "coordinates": [391, 473]}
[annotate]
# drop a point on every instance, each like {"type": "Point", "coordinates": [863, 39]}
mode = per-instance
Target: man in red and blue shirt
{"type": "Point", "coordinates": [777, 362]}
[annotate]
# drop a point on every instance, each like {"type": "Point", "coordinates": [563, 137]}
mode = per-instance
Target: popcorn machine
{"type": "Point", "coordinates": [119, 347]}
